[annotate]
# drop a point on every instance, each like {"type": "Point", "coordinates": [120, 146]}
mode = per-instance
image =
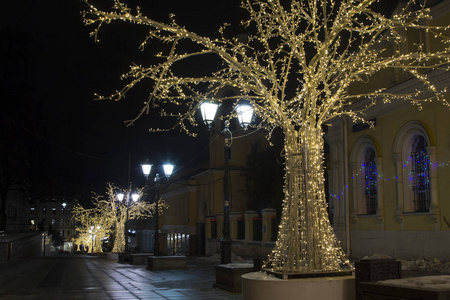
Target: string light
{"type": "Point", "coordinates": [108, 216]}
{"type": "Point", "coordinates": [387, 178]}
{"type": "Point", "coordinates": [297, 71]}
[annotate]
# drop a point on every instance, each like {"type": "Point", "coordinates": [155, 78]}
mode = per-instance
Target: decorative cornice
{"type": "Point", "coordinates": [439, 78]}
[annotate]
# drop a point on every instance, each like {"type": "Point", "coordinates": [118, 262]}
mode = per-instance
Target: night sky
{"type": "Point", "coordinates": [50, 70]}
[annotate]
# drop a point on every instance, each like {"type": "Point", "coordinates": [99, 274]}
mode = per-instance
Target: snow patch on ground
{"type": "Point", "coordinates": [432, 282]}
{"type": "Point", "coordinates": [215, 258]}
{"type": "Point", "coordinates": [261, 275]}
{"type": "Point", "coordinates": [432, 266]}
{"type": "Point", "coordinates": [441, 282]}
{"type": "Point", "coordinates": [377, 256]}
{"type": "Point", "coordinates": [237, 265]}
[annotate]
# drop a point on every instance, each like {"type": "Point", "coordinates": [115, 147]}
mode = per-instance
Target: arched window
{"type": "Point", "coordinates": [365, 166]}
{"type": "Point", "coordinates": [414, 174]}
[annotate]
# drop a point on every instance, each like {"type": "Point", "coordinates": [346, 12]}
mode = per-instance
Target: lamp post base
{"type": "Point", "coordinates": [166, 263]}
{"type": "Point", "coordinates": [225, 250]}
{"type": "Point", "coordinates": [228, 276]}
{"type": "Point", "coordinates": [156, 249]}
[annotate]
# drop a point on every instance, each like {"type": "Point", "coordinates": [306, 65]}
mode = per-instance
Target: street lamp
{"type": "Point", "coordinates": [146, 168]}
{"type": "Point", "coordinates": [245, 114]}
{"type": "Point", "coordinates": [208, 110]}
{"type": "Point", "coordinates": [120, 197]}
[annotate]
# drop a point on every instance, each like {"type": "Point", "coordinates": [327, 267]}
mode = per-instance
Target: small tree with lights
{"type": "Point", "coordinates": [296, 67]}
{"type": "Point", "coordinates": [90, 228]}
{"type": "Point", "coordinates": [108, 216]}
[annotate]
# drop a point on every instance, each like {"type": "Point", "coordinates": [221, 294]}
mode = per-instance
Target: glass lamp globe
{"type": "Point", "coordinates": [146, 168]}
{"type": "Point", "coordinates": [208, 110]}
{"type": "Point", "coordinates": [168, 169]}
{"type": "Point", "coordinates": [135, 197]}
{"type": "Point", "coordinates": [245, 114]}
{"type": "Point", "coordinates": [120, 196]}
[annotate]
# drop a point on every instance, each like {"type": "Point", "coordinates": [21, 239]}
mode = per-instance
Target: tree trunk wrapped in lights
{"type": "Point", "coordinates": [119, 231]}
{"type": "Point", "coordinates": [306, 241]}
{"type": "Point", "coordinates": [296, 67]}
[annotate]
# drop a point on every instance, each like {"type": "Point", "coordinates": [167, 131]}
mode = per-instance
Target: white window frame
{"type": "Point", "coordinates": [402, 155]}
{"type": "Point", "coordinates": [357, 158]}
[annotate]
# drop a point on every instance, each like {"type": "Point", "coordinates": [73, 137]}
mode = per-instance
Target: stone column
{"type": "Point", "coordinates": [434, 203]}
{"type": "Point", "coordinates": [380, 194]}
{"type": "Point", "coordinates": [249, 216]}
{"type": "Point", "coordinates": [234, 216]}
{"type": "Point", "coordinates": [267, 215]}
{"type": "Point", "coordinates": [399, 169]}
{"type": "Point", "coordinates": [208, 227]}
{"type": "Point", "coordinates": [355, 193]}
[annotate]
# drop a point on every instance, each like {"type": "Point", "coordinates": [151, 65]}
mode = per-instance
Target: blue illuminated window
{"type": "Point", "coordinates": [370, 181]}
{"type": "Point", "coordinates": [420, 175]}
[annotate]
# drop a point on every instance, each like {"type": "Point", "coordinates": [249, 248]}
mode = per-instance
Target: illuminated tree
{"type": "Point", "coordinates": [296, 67]}
{"type": "Point", "coordinates": [91, 228]}
{"type": "Point", "coordinates": [108, 216]}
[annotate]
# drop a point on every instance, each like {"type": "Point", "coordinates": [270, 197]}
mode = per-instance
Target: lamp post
{"type": "Point", "coordinates": [120, 197]}
{"type": "Point", "coordinates": [168, 169]}
{"type": "Point", "coordinates": [64, 224]}
{"type": "Point", "coordinates": [208, 111]}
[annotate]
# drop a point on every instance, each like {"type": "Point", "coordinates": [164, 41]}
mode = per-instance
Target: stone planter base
{"type": "Point", "coordinates": [139, 258]}
{"type": "Point", "coordinates": [124, 257]}
{"type": "Point", "coordinates": [372, 270]}
{"type": "Point", "coordinates": [155, 263]}
{"type": "Point", "coordinates": [228, 276]}
{"type": "Point", "coordinates": [417, 288]}
{"type": "Point", "coordinates": [258, 285]}
{"type": "Point", "coordinates": [112, 256]}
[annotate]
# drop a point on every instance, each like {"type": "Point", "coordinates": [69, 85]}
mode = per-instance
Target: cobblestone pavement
{"type": "Point", "coordinates": [87, 277]}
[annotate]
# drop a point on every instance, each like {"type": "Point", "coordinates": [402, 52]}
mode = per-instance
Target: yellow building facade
{"type": "Point", "coordinates": [390, 184]}
{"type": "Point", "coordinates": [194, 220]}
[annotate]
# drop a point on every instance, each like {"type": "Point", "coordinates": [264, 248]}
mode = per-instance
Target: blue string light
{"type": "Point", "coordinates": [394, 178]}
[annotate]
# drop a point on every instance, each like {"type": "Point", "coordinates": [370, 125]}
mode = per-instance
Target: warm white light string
{"type": "Point", "coordinates": [108, 215]}
{"type": "Point", "coordinates": [296, 70]}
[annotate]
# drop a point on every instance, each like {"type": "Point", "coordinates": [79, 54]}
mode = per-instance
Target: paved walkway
{"type": "Point", "coordinates": [86, 277]}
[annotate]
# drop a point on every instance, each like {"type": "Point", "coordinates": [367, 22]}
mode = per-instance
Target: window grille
{"type": "Point", "coordinates": [370, 181]}
{"type": "Point", "coordinates": [420, 175]}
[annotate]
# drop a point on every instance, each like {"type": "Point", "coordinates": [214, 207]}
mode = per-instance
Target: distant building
{"type": "Point", "coordinates": [193, 222]}
{"type": "Point", "coordinates": [14, 179]}
{"type": "Point", "coordinates": [54, 215]}
{"type": "Point", "coordinates": [16, 212]}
